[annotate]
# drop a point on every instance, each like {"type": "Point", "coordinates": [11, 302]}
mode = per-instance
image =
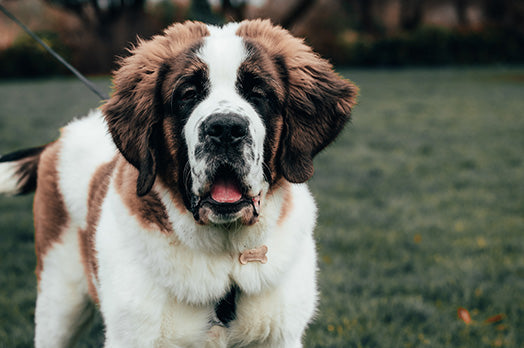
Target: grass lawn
{"type": "Point", "coordinates": [421, 207]}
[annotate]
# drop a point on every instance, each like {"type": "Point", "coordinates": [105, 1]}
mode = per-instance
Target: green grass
{"type": "Point", "coordinates": [421, 205]}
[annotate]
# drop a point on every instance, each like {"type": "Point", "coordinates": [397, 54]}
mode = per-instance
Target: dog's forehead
{"type": "Point", "coordinates": [223, 52]}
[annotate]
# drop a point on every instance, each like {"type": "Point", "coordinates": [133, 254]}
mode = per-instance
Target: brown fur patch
{"type": "Point", "coordinates": [273, 149]}
{"type": "Point", "coordinates": [287, 204]}
{"type": "Point", "coordinates": [97, 192]}
{"type": "Point", "coordinates": [134, 111]}
{"type": "Point", "coordinates": [261, 66]}
{"type": "Point", "coordinates": [169, 170]}
{"type": "Point", "coordinates": [148, 209]}
{"type": "Point", "coordinates": [51, 217]}
{"type": "Point", "coordinates": [318, 102]}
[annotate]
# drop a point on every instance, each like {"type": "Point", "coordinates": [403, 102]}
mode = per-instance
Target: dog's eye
{"type": "Point", "coordinates": [257, 94]}
{"type": "Point", "coordinates": [188, 94]}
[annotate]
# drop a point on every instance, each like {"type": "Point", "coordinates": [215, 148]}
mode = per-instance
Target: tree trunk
{"type": "Point", "coordinates": [460, 7]}
{"type": "Point", "coordinates": [411, 14]}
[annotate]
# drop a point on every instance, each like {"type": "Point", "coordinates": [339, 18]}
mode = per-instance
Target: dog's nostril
{"type": "Point", "coordinates": [238, 132]}
{"type": "Point", "coordinates": [226, 128]}
{"type": "Point", "coordinates": [215, 130]}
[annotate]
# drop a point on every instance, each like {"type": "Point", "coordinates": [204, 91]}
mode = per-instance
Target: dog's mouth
{"type": "Point", "coordinates": [226, 201]}
{"type": "Point", "coordinates": [226, 190]}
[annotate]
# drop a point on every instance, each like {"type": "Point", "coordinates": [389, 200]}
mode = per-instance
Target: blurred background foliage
{"type": "Point", "coordinates": [383, 33]}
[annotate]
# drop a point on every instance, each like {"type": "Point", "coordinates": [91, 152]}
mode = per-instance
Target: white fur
{"type": "Point", "coordinates": [8, 178]}
{"type": "Point", "coordinates": [87, 145]}
{"type": "Point", "coordinates": [178, 284]}
{"type": "Point", "coordinates": [62, 305]}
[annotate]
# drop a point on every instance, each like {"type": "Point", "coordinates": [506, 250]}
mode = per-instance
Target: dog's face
{"type": "Point", "coordinates": [221, 115]}
{"type": "Point", "coordinates": [225, 131]}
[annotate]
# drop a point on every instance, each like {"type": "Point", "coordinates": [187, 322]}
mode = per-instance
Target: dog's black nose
{"type": "Point", "coordinates": [226, 128]}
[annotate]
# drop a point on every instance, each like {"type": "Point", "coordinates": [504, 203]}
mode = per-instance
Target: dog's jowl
{"type": "Point", "coordinates": [180, 208]}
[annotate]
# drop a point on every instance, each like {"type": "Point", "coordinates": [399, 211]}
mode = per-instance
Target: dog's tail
{"type": "Point", "coordinates": [18, 171]}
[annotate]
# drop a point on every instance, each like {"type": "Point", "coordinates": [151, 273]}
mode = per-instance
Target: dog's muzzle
{"type": "Point", "coordinates": [226, 197]}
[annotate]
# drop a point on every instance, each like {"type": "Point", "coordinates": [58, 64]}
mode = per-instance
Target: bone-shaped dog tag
{"type": "Point", "coordinates": [252, 255]}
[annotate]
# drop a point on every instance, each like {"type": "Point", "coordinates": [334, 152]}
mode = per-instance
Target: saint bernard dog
{"type": "Point", "coordinates": [180, 208]}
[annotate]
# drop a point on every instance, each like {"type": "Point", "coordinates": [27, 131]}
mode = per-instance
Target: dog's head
{"type": "Point", "coordinates": [220, 115]}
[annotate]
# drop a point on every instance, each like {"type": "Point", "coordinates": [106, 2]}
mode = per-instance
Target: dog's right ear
{"type": "Point", "coordinates": [134, 112]}
{"type": "Point", "coordinates": [133, 115]}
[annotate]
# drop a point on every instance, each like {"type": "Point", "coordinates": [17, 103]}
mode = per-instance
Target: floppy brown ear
{"type": "Point", "coordinates": [319, 105]}
{"type": "Point", "coordinates": [318, 101]}
{"type": "Point", "coordinates": [135, 110]}
{"type": "Point", "coordinates": [134, 113]}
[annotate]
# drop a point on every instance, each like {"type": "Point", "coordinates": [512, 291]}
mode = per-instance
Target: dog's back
{"type": "Point", "coordinates": [69, 163]}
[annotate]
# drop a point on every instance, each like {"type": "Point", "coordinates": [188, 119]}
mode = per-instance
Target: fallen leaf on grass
{"type": "Point", "coordinates": [464, 315]}
{"type": "Point", "coordinates": [494, 319]}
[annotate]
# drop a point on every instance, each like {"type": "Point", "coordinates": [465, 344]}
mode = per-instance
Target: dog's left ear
{"type": "Point", "coordinates": [318, 102]}
{"type": "Point", "coordinates": [134, 115]}
{"type": "Point", "coordinates": [319, 105]}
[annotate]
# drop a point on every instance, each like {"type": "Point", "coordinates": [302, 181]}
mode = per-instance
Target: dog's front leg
{"type": "Point", "coordinates": [132, 323]}
{"type": "Point", "coordinates": [149, 316]}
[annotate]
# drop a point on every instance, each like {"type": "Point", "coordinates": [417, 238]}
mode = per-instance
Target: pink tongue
{"type": "Point", "coordinates": [225, 191]}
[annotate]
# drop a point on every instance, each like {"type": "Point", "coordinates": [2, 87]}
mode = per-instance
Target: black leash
{"type": "Point", "coordinates": [77, 73]}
